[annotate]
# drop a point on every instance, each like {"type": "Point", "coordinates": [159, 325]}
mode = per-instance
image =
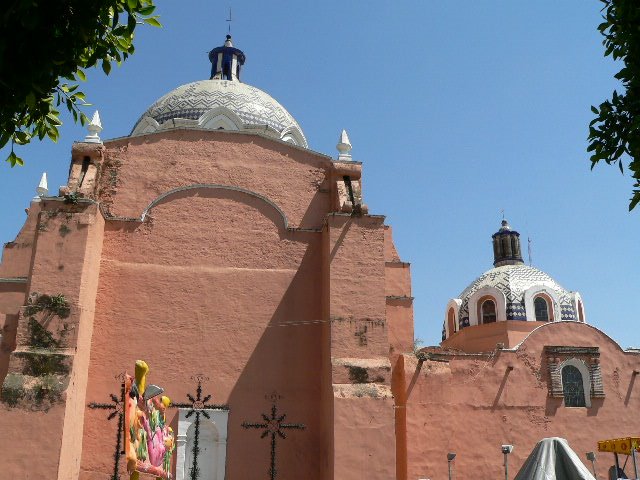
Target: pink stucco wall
{"type": "Point", "coordinates": [260, 278]}
{"type": "Point", "coordinates": [472, 404]}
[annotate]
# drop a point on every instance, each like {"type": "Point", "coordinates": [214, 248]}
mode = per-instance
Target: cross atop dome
{"type": "Point", "coordinates": [226, 61]}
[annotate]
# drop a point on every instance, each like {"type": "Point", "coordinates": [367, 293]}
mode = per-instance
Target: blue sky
{"type": "Point", "coordinates": [457, 110]}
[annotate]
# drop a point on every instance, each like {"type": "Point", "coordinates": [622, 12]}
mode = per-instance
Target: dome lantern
{"type": "Point", "coordinates": [226, 61]}
{"type": "Point", "coordinates": [506, 246]}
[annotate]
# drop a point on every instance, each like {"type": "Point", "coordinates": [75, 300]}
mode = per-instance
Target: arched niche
{"type": "Point", "coordinates": [212, 442]}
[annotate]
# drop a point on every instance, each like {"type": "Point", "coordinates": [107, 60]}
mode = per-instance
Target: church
{"type": "Point", "coordinates": [274, 310]}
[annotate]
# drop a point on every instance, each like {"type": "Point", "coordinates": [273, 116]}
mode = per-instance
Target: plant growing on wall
{"type": "Point", "coordinates": [44, 368]}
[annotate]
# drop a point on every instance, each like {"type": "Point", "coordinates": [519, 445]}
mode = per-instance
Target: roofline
{"type": "Point", "coordinates": [233, 132]}
{"type": "Point", "coordinates": [550, 324]}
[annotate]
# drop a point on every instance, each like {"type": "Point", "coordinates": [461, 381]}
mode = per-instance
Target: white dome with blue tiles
{"type": "Point", "coordinates": [511, 291]}
{"type": "Point", "coordinates": [222, 103]}
{"type": "Point", "coordinates": [513, 281]}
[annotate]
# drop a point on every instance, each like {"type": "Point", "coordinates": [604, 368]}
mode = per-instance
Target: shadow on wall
{"type": "Point", "coordinates": [285, 366]}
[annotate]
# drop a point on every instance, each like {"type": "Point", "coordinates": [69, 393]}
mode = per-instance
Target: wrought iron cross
{"type": "Point", "coordinates": [117, 409]}
{"type": "Point", "coordinates": [274, 425]}
{"type": "Point", "coordinates": [197, 405]}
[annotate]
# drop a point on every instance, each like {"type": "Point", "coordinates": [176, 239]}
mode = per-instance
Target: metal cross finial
{"type": "Point", "coordinates": [274, 426]}
{"type": "Point", "coordinates": [117, 407]}
{"type": "Point", "coordinates": [502, 213]}
{"type": "Point", "coordinates": [229, 20]}
{"type": "Point", "coordinates": [197, 404]}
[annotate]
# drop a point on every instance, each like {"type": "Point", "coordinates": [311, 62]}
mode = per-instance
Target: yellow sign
{"type": "Point", "coordinates": [620, 445]}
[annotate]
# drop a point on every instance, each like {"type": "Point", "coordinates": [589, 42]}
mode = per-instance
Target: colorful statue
{"type": "Point", "coordinates": [149, 441]}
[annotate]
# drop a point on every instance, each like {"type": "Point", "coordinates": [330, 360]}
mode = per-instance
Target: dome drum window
{"type": "Point", "coordinates": [451, 319]}
{"type": "Point", "coordinates": [487, 310]}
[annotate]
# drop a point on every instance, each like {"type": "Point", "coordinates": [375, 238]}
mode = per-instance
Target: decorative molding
{"type": "Point", "coordinates": [213, 186]}
{"type": "Point", "coordinates": [14, 280]}
{"type": "Point", "coordinates": [564, 350]}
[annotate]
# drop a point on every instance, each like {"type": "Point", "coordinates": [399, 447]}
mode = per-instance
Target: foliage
{"type": "Point", "coordinates": [50, 304]}
{"type": "Point", "coordinates": [358, 374]}
{"type": "Point", "coordinates": [48, 387]}
{"type": "Point", "coordinates": [13, 389]}
{"type": "Point", "coordinates": [615, 131]}
{"type": "Point", "coordinates": [71, 198]}
{"type": "Point", "coordinates": [45, 48]}
{"type": "Point", "coordinates": [37, 364]}
{"type": "Point", "coordinates": [40, 337]}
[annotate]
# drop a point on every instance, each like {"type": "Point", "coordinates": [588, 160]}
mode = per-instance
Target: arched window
{"type": "Point", "coordinates": [573, 387]}
{"type": "Point", "coordinates": [451, 321]}
{"type": "Point", "coordinates": [541, 307]}
{"type": "Point", "coordinates": [488, 311]}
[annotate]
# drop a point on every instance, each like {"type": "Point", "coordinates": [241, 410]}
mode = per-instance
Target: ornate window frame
{"type": "Point", "coordinates": [585, 359]}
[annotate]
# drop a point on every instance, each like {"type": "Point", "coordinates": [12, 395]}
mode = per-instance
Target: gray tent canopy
{"type": "Point", "coordinates": [553, 459]}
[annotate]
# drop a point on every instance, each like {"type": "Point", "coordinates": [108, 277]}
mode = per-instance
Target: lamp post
{"type": "Point", "coordinates": [591, 456]}
{"type": "Point", "coordinates": [506, 450]}
{"type": "Point", "coordinates": [450, 457]}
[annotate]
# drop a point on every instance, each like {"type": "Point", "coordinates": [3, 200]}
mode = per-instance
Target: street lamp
{"type": "Point", "coordinates": [506, 450]}
{"type": "Point", "coordinates": [450, 457]}
{"type": "Point", "coordinates": [592, 457]}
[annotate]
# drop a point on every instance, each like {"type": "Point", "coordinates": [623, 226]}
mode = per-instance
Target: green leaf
{"type": "Point", "coordinates": [53, 119]}
{"type": "Point", "coordinates": [53, 134]}
{"type": "Point", "coordinates": [14, 160]}
{"type": "Point", "coordinates": [153, 21]}
{"type": "Point", "coordinates": [81, 75]}
{"type": "Point", "coordinates": [145, 11]}
{"type": "Point", "coordinates": [21, 138]}
{"type": "Point", "coordinates": [132, 4]}
{"type": "Point", "coordinates": [594, 110]}
{"type": "Point", "coordinates": [106, 66]}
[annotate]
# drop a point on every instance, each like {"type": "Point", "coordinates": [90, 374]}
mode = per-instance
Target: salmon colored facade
{"type": "Point", "coordinates": [242, 265]}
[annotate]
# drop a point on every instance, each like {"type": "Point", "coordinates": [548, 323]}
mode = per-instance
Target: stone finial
{"type": "Point", "coordinates": [94, 127]}
{"type": "Point", "coordinates": [344, 147]}
{"type": "Point", "coordinates": [42, 190]}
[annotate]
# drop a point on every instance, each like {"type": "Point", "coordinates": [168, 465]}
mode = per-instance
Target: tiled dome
{"type": "Point", "coordinates": [255, 110]}
{"type": "Point", "coordinates": [513, 281]}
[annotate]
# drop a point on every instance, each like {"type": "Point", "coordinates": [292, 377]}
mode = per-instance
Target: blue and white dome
{"type": "Point", "coordinates": [514, 281]}
{"type": "Point", "coordinates": [511, 291]}
{"type": "Point", "coordinates": [222, 103]}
